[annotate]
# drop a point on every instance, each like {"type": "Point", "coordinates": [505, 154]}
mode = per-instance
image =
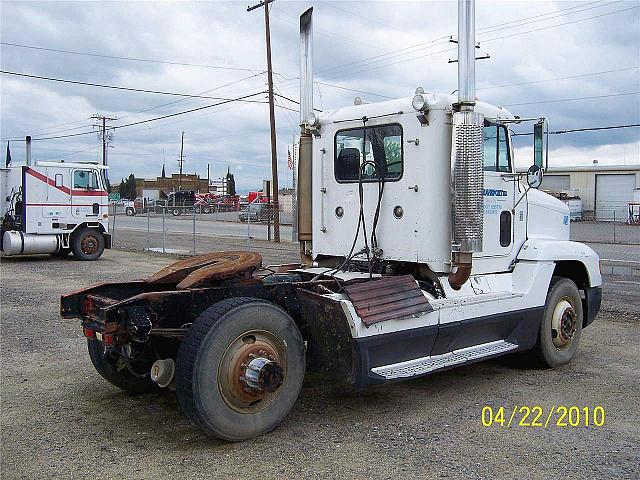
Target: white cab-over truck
{"type": "Point", "coordinates": [421, 248]}
{"type": "Point", "coordinates": [54, 207]}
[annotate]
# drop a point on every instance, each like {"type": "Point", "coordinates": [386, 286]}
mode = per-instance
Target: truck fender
{"type": "Point", "coordinates": [564, 253]}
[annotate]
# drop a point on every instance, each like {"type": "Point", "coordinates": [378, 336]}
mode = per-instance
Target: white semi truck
{"type": "Point", "coordinates": [54, 207]}
{"type": "Point", "coordinates": [422, 250]}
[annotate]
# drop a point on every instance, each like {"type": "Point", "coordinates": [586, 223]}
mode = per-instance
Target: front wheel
{"type": "Point", "coordinates": [130, 211]}
{"type": "Point", "coordinates": [87, 244]}
{"type": "Point", "coordinates": [561, 325]}
{"type": "Point", "coordinates": [240, 368]}
{"type": "Point", "coordinates": [175, 212]}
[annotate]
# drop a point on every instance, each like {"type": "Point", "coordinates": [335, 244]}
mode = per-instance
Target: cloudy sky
{"type": "Point", "coordinates": [575, 62]}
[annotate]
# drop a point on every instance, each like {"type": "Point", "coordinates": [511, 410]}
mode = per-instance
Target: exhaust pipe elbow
{"type": "Point", "coordinates": [462, 273]}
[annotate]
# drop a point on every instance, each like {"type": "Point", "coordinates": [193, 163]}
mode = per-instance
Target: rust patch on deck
{"type": "Point", "coordinates": [387, 298]}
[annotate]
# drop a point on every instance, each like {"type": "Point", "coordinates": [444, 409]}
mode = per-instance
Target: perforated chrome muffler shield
{"type": "Point", "coordinates": [467, 154]}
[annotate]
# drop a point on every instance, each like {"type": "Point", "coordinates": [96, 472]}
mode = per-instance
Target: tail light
{"type": "Point", "coordinates": [108, 339]}
{"type": "Point", "coordinates": [87, 332]}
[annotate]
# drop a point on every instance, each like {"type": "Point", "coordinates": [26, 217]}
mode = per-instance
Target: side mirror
{"type": "Point", "coordinates": [538, 144]}
{"type": "Point", "coordinates": [534, 176]}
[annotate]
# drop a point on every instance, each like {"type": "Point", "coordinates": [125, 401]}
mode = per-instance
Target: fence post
{"type": "Point", "coordinates": [248, 224]}
{"type": "Point", "coordinates": [148, 229]}
{"type": "Point", "coordinates": [113, 228]}
{"type": "Point", "coordinates": [614, 226]}
{"type": "Point", "coordinates": [194, 230]}
{"type": "Point", "coordinates": [164, 211]}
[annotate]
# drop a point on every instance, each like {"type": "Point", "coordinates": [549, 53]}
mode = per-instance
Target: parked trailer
{"type": "Point", "coordinates": [392, 284]}
{"type": "Point", "coordinates": [54, 208]}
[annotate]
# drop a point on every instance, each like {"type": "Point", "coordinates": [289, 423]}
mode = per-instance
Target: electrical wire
{"type": "Point", "coordinates": [135, 59]}
{"type": "Point", "coordinates": [586, 129]}
{"type": "Point", "coordinates": [571, 99]}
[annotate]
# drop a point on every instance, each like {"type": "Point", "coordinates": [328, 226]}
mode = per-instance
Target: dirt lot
{"type": "Point", "coordinates": [61, 420]}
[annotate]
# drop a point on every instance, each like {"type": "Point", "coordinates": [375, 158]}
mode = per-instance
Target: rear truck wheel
{"type": "Point", "coordinates": [87, 244]}
{"type": "Point", "coordinates": [111, 365]}
{"type": "Point", "coordinates": [561, 325]}
{"type": "Point", "coordinates": [175, 211]}
{"type": "Point", "coordinates": [130, 211]}
{"type": "Point", "coordinates": [206, 210]}
{"type": "Point", "coordinates": [240, 368]}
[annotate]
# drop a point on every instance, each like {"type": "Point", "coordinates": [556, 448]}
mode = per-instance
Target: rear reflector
{"type": "Point", "coordinates": [87, 332]}
{"type": "Point", "coordinates": [107, 339]}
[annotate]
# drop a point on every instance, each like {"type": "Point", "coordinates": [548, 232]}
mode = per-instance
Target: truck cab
{"type": "Point", "coordinates": [56, 208]}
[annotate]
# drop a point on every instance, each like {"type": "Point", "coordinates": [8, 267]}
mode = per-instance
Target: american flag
{"type": "Point", "coordinates": [289, 159]}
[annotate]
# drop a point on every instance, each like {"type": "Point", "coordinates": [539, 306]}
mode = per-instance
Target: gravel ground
{"type": "Point", "coordinates": [61, 420]}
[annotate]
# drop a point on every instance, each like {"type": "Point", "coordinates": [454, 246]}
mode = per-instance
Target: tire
{"type": "Point", "coordinates": [210, 352]}
{"type": "Point", "coordinates": [175, 212]}
{"type": "Point", "coordinates": [130, 211]}
{"type": "Point", "coordinates": [87, 244]}
{"type": "Point", "coordinates": [557, 343]}
{"type": "Point", "coordinates": [123, 379]}
{"type": "Point", "coordinates": [62, 253]}
{"type": "Point", "coordinates": [206, 210]}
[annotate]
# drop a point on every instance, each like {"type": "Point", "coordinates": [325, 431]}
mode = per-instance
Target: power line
{"type": "Point", "coordinates": [586, 129]}
{"type": "Point", "coordinates": [559, 78]}
{"type": "Point", "coordinates": [113, 87]}
{"type": "Point", "coordinates": [135, 59]}
{"type": "Point", "coordinates": [571, 99]}
{"type": "Point", "coordinates": [115, 127]}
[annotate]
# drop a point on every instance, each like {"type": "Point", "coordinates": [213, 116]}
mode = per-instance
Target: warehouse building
{"type": "Point", "coordinates": [605, 190]}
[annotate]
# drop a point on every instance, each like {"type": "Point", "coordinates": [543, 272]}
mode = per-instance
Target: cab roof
{"type": "Point", "coordinates": [435, 101]}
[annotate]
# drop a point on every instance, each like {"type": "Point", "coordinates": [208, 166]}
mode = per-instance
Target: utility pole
{"type": "Point", "coordinates": [105, 136]}
{"type": "Point", "coordinates": [272, 121]}
{"type": "Point", "coordinates": [181, 161]}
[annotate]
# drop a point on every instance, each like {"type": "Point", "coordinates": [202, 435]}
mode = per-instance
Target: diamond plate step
{"type": "Point", "coordinates": [421, 366]}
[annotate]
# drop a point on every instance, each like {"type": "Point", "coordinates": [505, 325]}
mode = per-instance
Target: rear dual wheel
{"type": "Point", "coordinates": [240, 368]}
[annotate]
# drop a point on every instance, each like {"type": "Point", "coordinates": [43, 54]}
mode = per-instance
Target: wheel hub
{"type": "Point", "coordinates": [89, 245]}
{"type": "Point", "coordinates": [252, 371]}
{"type": "Point", "coordinates": [563, 324]}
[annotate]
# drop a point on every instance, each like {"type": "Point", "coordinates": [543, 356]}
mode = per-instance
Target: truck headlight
{"type": "Point", "coordinates": [419, 103]}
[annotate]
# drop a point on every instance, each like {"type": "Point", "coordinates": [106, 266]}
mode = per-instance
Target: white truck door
{"type": "Point", "coordinates": [86, 195]}
{"type": "Point", "coordinates": [499, 199]}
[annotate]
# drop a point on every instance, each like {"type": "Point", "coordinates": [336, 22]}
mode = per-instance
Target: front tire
{"type": "Point", "coordinates": [561, 326]}
{"type": "Point", "coordinates": [87, 244]}
{"type": "Point", "coordinates": [175, 212]}
{"type": "Point", "coordinates": [106, 365]}
{"type": "Point", "coordinates": [231, 344]}
{"type": "Point", "coordinates": [130, 211]}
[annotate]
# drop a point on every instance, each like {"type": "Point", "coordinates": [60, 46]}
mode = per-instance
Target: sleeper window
{"type": "Point", "coordinates": [383, 147]}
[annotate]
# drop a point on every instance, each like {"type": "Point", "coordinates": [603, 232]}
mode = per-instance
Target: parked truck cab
{"type": "Point", "coordinates": [422, 249]}
{"type": "Point", "coordinates": [56, 208]}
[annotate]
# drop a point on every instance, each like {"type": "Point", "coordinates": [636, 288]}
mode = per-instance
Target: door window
{"type": "Point", "coordinates": [383, 147]}
{"type": "Point", "coordinates": [85, 179]}
{"type": "Point", "coordinates": [496, 148]}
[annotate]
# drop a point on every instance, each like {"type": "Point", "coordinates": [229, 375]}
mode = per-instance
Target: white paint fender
{"type": "Point", "coordinates": [541, 249]}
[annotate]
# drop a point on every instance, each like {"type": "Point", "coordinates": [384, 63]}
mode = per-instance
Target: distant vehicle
{"type": "Point", "coordinates": [255, 212]}
{"type": "Point", "coordinates": [181, 201]}
{"type": "Point", "coordinates": [55, 208]}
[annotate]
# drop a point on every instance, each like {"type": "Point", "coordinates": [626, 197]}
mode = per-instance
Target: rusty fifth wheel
{"type": "Point", "coordinates": [240, 368]}
{"type": "Point", "coordinates": [206, 269]}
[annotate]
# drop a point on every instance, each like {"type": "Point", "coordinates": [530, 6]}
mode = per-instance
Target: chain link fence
{"type": "Point", "coordinates": [160, 226]}
{"type": "Point", "coordinates": [616, 229]}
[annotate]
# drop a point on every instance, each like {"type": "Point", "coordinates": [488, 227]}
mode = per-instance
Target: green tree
{"type": "Point", "coordinates": [122, 188]}
{"type": "Point", "coordinates": [130, 187]}
{"type": "Point", "coordinates": [231, 184]}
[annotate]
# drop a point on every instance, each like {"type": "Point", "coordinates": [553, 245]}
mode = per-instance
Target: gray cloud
{"type": "Point", "coordinates": [237, 135]}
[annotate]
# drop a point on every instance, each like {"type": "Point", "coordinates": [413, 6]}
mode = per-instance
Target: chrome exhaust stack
{"type": "Point", "coordinates": [467, 155]}
{"type": "Point", "coordinates": [307, 121]}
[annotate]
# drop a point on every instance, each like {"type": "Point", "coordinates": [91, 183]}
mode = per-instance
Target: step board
{"type": "Point", "coordinates": [421, 366]}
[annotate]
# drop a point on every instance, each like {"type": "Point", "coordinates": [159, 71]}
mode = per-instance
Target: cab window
{"type": "Point", "coordinates": [496, 148]}
{"type": "Point", "coordinates": [85, 179]}
{"type": "Point", "coordinates": [382, 146]}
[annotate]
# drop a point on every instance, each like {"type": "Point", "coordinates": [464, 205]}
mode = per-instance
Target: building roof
{"type": "Point", "coordinates": [599, 168]}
